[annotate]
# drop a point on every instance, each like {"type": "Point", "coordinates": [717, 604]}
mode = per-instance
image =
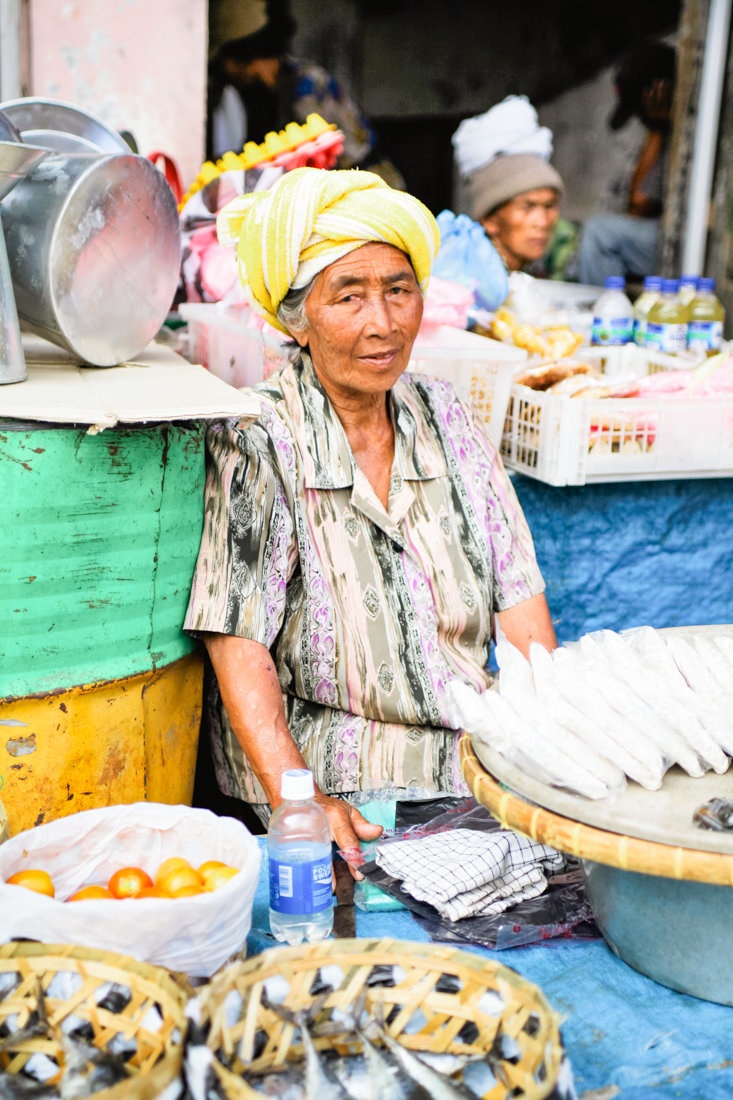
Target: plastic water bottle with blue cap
{"type": "Point", "coordinates": [613, 314]}
{"type": "Point", "coordinates": [299, 856]}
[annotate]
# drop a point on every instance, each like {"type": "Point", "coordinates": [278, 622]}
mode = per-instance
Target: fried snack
{"type": "Point", "coordinates": [563, 341]}
{"type": "Point", "coordinates": [545, 375]}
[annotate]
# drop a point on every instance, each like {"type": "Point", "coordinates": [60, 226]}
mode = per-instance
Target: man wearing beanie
{"type": "Point", "coordinates": [513, 190]}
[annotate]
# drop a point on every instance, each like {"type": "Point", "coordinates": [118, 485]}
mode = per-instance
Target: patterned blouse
{"type": "Point", "coordinates": [368, 613]}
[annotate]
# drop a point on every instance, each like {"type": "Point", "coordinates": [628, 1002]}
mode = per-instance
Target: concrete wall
{"type": "Point", "coordinates": [138, 64]}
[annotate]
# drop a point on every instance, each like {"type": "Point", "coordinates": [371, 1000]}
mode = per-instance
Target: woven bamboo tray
{"type": "Point", "coordinates": [455, 1022]}
{"type": "Point", "coordinates": [157, 1062]}
{"type": "Point", "coordinates": [628, 853]}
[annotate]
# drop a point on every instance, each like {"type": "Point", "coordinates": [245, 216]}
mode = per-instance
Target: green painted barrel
{"type": "Point", "coordinates": [97, 551]}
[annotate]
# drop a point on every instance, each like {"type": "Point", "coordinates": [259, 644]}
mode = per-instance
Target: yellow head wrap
{"type": "Point", "coordinates": [312, 217]}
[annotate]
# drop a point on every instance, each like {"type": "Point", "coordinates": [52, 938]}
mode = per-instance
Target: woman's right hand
{"type": "Point", "coordinates": [347, 825]}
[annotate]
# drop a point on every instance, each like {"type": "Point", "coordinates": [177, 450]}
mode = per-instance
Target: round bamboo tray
{"type": "Point", "coordinates": [589, 842]}
{"type": "Point", "coordinates": [154, 997]}
{"type": "Point", "coordinates": [443, 988]}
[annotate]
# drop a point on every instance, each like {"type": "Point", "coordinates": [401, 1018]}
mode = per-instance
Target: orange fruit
{"type": "Point", "coordinates": [218, 876]}
{"type": "Point", "coordinates": [169, 865]}
{"type": "Point", "coordinates": [148, 892]}
{"type": "Point", "coordinates": [88, 893]}
{"type": "Point", "coordinates": [188, 891]}
{"type": "Point", "coordinates": [128, 882]}
{"type": "Point", "coordinates": [208, 866]}
{"type": "Point", "coordinates": [176, 878]}
{"type": "Point", "coordinates": [33, 879]}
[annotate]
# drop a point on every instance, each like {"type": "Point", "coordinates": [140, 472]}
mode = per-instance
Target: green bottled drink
{"type": "Point", "coordinates": [705, 320]}
{"type": "Point", "coordinates": [688, 288]}
{"type": "Point", "coordinates": [666, 326]}
{"type": "Point", "coordinates": [642, 305]}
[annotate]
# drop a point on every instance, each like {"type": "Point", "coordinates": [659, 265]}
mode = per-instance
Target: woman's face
{"type": "Point", "coordinates": [521, 229]}
{"type": "Point", "coordinates": [364, 313]}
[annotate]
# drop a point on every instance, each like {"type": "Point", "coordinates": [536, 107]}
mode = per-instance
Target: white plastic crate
{"type": "Point", "coordinates": [629, 360]}
{"type": "Point", "coordinates": [572, 441]}
{"type": "Point", "coordinates": [481, 369]}
{"type": "Point", "coordinates": [232, 350]}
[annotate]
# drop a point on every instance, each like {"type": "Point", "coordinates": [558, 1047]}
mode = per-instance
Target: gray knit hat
{"type": "Point", "coordinates": [506, 177]}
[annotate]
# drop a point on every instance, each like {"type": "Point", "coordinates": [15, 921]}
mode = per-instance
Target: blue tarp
{"type": "Point", "coordinates": [640, 553]}
{"type": "Point", "coordinates": [623, 1032]}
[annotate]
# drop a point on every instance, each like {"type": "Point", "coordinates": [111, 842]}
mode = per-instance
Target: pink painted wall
{"type": "Point", "coordinates": [138, 64]}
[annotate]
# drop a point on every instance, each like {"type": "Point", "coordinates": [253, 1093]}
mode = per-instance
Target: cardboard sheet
{"type": "Point", "coordinates": [159, 385]}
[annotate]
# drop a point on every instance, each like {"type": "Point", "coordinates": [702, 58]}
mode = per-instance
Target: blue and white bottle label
{"type": "Point", "coordinates": [669, 338]}
{"type": "Point", "coordinates": [300, 887]}
{"type": "Point", "coordinates": [705, 335]}
{"type": "Point", "coordinates": [614, 330]}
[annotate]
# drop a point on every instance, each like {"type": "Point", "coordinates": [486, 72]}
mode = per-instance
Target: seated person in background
{"type": "Point", "coordinates": [627, 244]}
{"type": "Point", "coordinates": [513, 190]}
{"type": "Point", "coordinates": [255, 87]}
{"type": "Point", "coordinates": [362, 536]}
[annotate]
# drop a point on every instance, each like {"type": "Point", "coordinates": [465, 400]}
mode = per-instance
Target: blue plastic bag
{"type": "Point", "coordinates": [467, 256]}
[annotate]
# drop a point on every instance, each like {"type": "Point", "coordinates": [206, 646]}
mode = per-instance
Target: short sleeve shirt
{"type": "Point", "coordinates": [369, 613]}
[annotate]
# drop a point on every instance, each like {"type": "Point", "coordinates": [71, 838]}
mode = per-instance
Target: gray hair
{"type": "Point", "coordinates": [291, 311]}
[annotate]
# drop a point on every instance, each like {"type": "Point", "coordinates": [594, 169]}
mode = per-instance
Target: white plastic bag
{"type": "Point", "coordinates": [194, 935]}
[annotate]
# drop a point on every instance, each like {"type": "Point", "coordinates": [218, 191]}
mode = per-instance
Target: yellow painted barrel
{"type": "Point", "coordinates": [117, 741]}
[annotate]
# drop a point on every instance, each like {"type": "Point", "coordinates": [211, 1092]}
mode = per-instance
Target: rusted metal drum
{"type": "Point", "coordinates": [100, 689]}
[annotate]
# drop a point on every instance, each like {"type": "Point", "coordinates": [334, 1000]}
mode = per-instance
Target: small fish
{"type": "Point", "coordinates": [15, 1086]}
{"type": "Point", "coordinates": [88, 1069]}
{"type": "Point", "coordinates": [320, 1084]}
{"type": "Point", "coordinates": [435, 1084]}
{"type": "Point", "coordinates": [715, 814]}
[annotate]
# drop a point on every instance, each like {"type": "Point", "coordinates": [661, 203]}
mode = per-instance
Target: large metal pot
{"type": "Point", "coordinates": [94, 250]}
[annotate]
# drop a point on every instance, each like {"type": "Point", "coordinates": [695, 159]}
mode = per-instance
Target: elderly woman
{"type": "Point", "coordinates": [361, 536]}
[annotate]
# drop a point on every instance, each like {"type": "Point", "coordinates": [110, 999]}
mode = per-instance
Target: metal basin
{"type": "Point", "coordinates": [62, 126]}
{"type": "Point", "coordinates": [94, 249]}
{"type": "Point", "coordinates": [676, 932]}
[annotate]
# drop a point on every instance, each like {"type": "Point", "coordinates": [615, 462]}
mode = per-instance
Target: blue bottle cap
{"type": "Point", "coordinates": [615, 282]}
{"type": "Point", "coordinates": [689, 280]}
{"type": "Point", "coordinates": [670, 286]}
{"type": "Point", "coordinates": [706, 284]}
{"type": "Point", "coordinates": [653, 282]}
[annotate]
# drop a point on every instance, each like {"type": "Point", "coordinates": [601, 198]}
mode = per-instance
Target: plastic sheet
{"type": "Point", "coordinates": [467, 256]}
{"type": "Point", "coordinates": [562, 911]}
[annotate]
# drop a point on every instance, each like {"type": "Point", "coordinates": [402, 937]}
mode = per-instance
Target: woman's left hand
{"type": "Point", "coordinates": [347, 825]}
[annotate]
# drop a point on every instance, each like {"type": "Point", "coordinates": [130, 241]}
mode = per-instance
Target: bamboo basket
{"type": "Point", "coordinates": [157, 1062]}
{"type": "Point", "coordinates": [444, 984]}
{"type": "Point", "coordinates": [628, 853]}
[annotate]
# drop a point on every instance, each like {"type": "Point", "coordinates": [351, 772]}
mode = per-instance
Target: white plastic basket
{"type": "Point", "coordinates": [226, 345]}
{"type": "Point", "coordinates": [629, 360]}
{"type": "Point", "coordinates": [572, 441]}
{"type": "Point", "coordinates": [481, 369]}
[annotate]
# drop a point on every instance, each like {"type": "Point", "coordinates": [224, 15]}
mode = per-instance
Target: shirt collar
{"type": "Point", "coordinates": [328, 462]}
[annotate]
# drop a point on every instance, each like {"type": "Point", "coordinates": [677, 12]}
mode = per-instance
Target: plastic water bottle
{"type": "Point", "coordinates": [642, 305]}
{"type": "Point", "coordinates": [613, 314]}
{"type": "Point", "coordinates": [666, 325]}
{"type": "Point", "coordinates": [705, 316]}
{"type": "Point", "coordinates": [299, 855]}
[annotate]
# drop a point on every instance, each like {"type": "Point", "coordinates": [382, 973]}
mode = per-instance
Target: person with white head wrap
{"type": "Point", "coordinates": [503, 156]}
{"type": "Point", "coordinates": [362, 536]}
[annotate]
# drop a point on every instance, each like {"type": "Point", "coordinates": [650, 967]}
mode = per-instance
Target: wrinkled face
{"type": "Point", "coordinates": [521, 229]}
{"type": "Point", "coordinates": [364, 312]}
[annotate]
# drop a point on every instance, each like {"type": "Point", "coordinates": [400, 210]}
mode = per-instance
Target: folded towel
{"type": "Point", "coordinates": [464, 872]}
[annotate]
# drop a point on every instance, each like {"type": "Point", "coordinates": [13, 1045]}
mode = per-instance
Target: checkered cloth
{"type": "Point", "coordinates": [465, 872]}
